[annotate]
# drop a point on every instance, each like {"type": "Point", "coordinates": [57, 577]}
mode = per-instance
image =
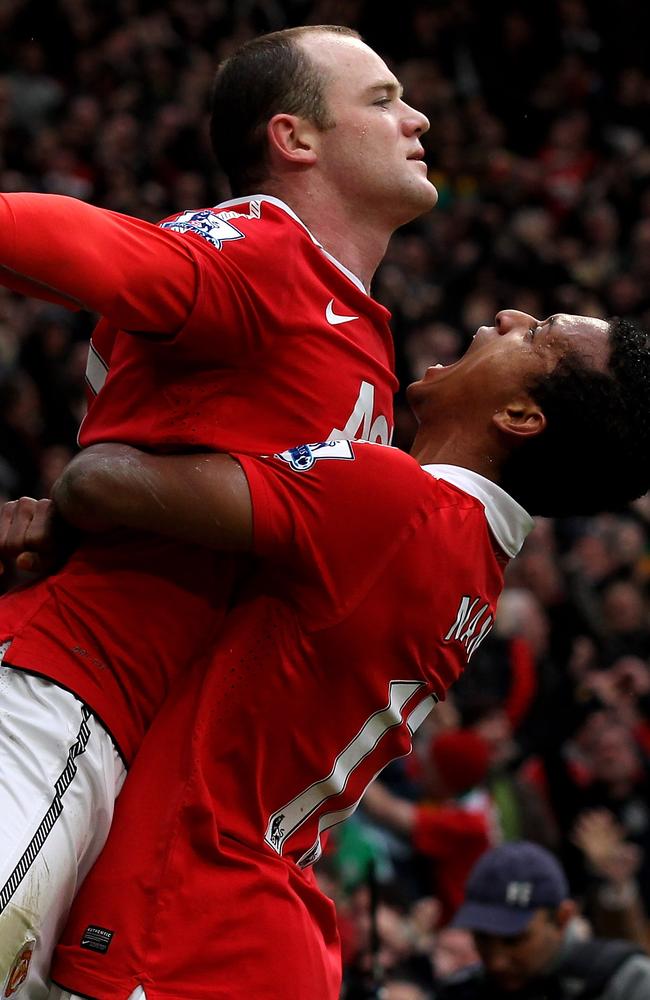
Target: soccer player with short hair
{"type": "Point", "coordinates": [243, 327]}
{"type": "Point", "coordinates": [378, 578]}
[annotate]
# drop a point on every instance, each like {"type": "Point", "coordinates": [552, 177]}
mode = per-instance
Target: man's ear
{"type": "Point", "coordinates": [291, 139]}
{"type": "Point", "coordinates": [521, 417]}
{"type": "Point", "coordinates": [565, 912]}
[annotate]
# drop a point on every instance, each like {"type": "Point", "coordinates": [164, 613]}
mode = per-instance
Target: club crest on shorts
{"type": "Point", "coordinates": [211, 227]}
{"type": "Point", "coordinates": [305, 456]}
{"type": "Point", "coordinates": [19, 969]}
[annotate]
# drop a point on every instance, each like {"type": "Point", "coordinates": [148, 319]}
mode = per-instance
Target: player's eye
{"type": "Point", "coordinates": [383, 101]}
{"type": "Point", "coordinates": [532, 330]}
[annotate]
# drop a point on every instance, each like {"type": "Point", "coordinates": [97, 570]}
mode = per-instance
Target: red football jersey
{"type": "Point", "coordinates": [245, 336]}
{"type": "Point", "coordinates": [379, 581]}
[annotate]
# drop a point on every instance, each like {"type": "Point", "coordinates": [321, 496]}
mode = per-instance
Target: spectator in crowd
{"type": "Point", "coordinates": [614, 905]}
{"type": "Point", "coordinates": [469, 801]}
{"type": "Point", "coordinates": [453, 950]}
{"type": "Point", "coordinates": [518, 907]}
{"type": "Point", "coordinates": [397, 988]}
{"type": "Point", "coordinates": [457, 820]}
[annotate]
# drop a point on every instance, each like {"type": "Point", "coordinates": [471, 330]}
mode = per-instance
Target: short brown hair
{"type": "Point", "coordinates": [267, 76]}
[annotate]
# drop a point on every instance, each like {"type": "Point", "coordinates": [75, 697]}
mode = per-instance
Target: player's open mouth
{"type": "Point", "coordinates": [485, 331]}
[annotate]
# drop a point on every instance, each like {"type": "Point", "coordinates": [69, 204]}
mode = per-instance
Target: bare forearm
{"type": "Point", "coordinates": [386, 808]}
{"type": "Point", "coordinates": [202, 499]}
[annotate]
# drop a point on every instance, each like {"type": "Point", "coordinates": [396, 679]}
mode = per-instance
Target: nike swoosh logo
{"type": "Point", "coordinates": [333, 318]}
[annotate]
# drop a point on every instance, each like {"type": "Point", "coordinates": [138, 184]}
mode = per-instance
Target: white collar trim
{"type": "Point", "coordinates": [289, 211]}
{"type": "Point", "coordinates": [508, 520]}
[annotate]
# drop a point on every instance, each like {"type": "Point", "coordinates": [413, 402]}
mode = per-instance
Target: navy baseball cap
{"type": "Point", "coordinates": [507, 885]}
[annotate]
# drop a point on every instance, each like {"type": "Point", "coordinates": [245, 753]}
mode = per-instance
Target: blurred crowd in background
{"type": "Point", "coordinates": [540, 148]}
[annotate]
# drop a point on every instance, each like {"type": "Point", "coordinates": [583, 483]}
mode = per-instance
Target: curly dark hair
{"type": "Point", "coordinates": [268, 75]}
{"type": "Point", "coordinates": [594, 453]}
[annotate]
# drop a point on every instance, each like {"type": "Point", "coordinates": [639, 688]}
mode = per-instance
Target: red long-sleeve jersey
{"type": "Point", "coordinates": [227, 328]}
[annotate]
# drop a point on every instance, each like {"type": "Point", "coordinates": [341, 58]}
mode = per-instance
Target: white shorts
{"type": "Point", "coordinates": [58, 994]}
{"type": "Point", "coordinates": [59, 776]}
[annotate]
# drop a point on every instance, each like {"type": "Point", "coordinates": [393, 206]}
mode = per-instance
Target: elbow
{"type": "Point", "coordinates": [80, 495]}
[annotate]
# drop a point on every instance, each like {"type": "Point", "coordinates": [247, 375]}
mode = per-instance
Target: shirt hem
{"type": "Point", "coordinates": [75, 694]}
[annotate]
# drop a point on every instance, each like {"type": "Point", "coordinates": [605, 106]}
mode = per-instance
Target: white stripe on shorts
{"type": "Point", "coordinates": [59, 776]}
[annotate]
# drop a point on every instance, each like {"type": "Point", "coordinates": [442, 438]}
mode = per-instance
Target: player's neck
{"type": "Point", "coordinates": [355, 240]}
{"type": "Point", "coordinates": [457, 447]}
{"type": "Point", "coordinates": [361, 249]}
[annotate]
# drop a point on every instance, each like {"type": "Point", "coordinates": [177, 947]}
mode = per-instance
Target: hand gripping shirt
{"type": "Point", "coordinates": [227, 328]}
{"type": "Point", "coordinates": [379, 580]}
